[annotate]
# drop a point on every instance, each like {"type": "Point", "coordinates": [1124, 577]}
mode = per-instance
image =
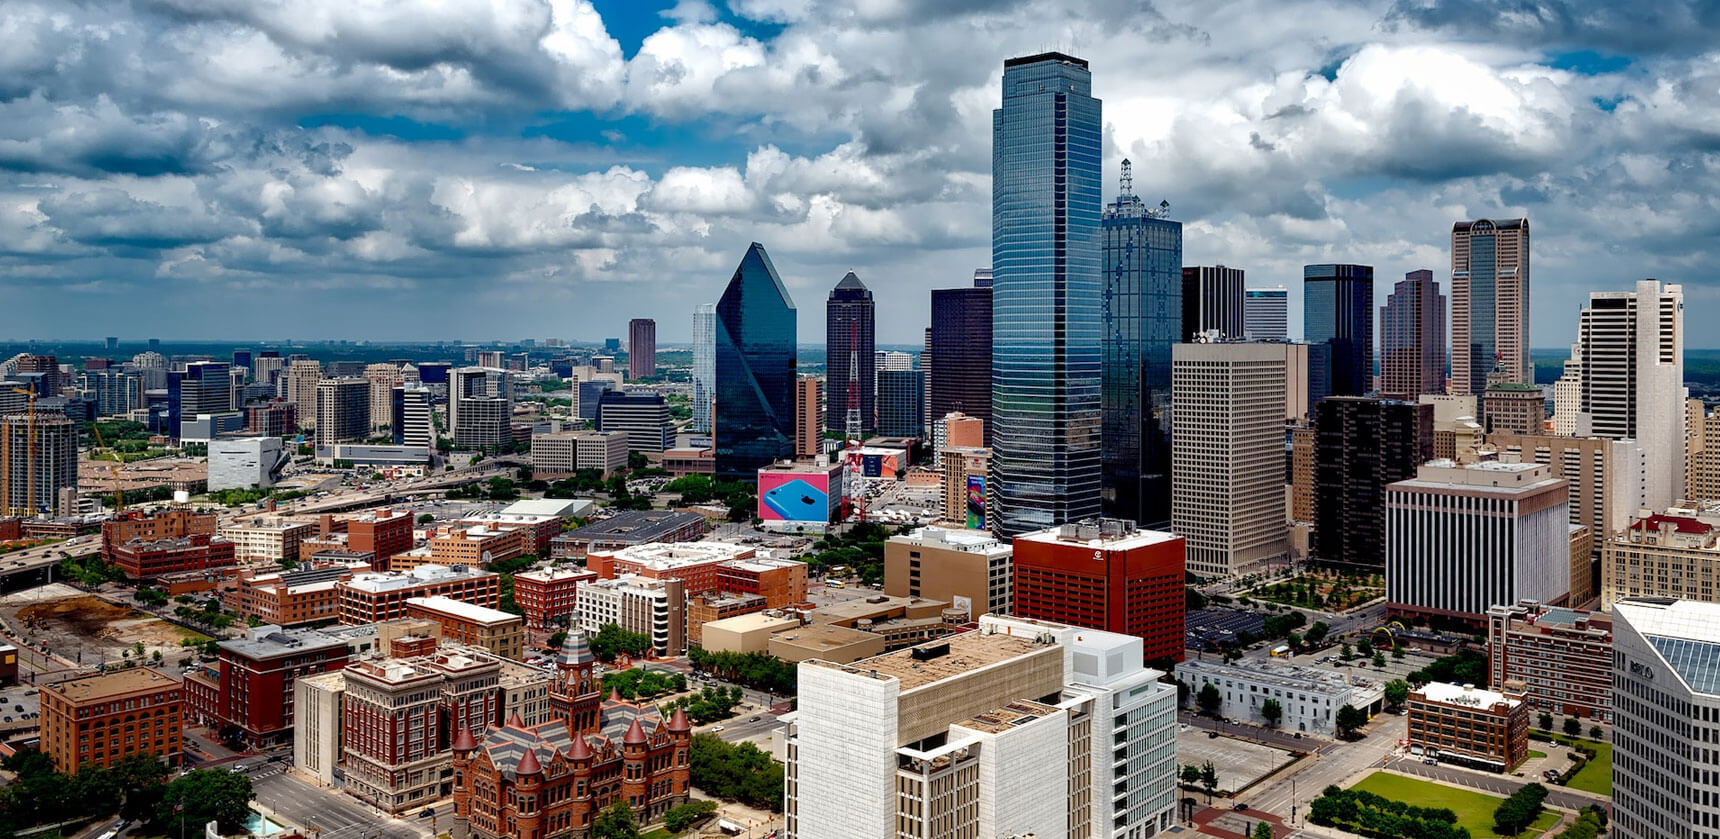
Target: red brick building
{"type": "Point", "coordinates": [100, 720]}
{"type": "Point", "coordinates": [177, 523]}
{"type": "Point", "coordinates": [382, 534]}
{"type": "Point", "coordinates": [376, 596]}
{"type": "Point", "coordinates": [1105, 574]}
{"type": "Point", "coordinates": [256, 676]}
{"type": "Point", "coordinates": [693, 563]}
{"type": "Point", "coordinates": [545, 594]}
{"type": "Point", "coordinates": [141, 559]}
{"type": "Point", "coordinates": [396, 717]}
{"type": "Point", "coordinates": [553, 779]}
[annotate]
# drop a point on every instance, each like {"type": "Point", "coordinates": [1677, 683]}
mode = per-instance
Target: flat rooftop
{"type": "Point", "coordinates": [94, 688]}
{"type": "Point", "coordinates": [870, 607]}
{"type": "Point", "coordinates": [952, 538]}
{"type": "Point", "coordinates": [667, 556]}
{"type": "Point", "coordinates": [762, 563]}
{"type": "Point", "coordinates": [1012, 715]}
{"type": "Point", "coordinates": [380, 581]}
{"type": "Point", "coordinates": [1281, 674]}
{"type": "Point", "coordinates": [555, 573]}
{"type": "Point", "coordinates": [1104, 534]}
{"type": "Point", "coordinates": [270, 641]}
{"type": "Point", "coordinates": [753, 621]}
{"type": "Point", "coordinates": [464, 610]}
{"type": "Point", "coordinates": [968, 651]}
{"type": "Point", "coordinates": [636, 525]}
{"type": "Point", "coordinates": [1451, 694]}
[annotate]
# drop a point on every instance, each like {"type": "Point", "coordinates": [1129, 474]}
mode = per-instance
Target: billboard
{"type": "Point", "coordinates": [976, 502]}
{"type": "Point", "coordinates": [794, 496]}
{"type": "Point", "coordinates": [876, 463]}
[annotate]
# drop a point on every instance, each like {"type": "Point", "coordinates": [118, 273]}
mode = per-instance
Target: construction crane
{"type": "Point", "coordinates": [113, 468]}
{"type": "Point", "coordinates": [30, 466]}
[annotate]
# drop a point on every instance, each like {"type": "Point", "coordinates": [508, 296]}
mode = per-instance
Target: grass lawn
{"type": "Point", "coordinates": [659, 833]}
{"type": "Point", "coordinates": [1474, 809]}
{"type": "Point", "coordinates": [1534, 753]}
{"type": "Point", "coordinates": [1596, 775]}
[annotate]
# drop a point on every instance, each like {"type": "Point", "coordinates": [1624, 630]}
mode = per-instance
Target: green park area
{"type": "Point", "coordinates": [1596, 775]}
{"type": "Point", "coordinates": [1474, 809]}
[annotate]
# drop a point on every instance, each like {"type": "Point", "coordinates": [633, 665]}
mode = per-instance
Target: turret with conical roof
{"type": "Point", "coordinates": [575, 692]}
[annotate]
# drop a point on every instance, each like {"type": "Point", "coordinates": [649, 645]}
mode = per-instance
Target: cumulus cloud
{"type": "Point", "coordinates": [505, 160]}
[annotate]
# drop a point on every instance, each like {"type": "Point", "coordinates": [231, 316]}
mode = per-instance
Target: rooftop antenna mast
{"type": "Point", "coordinates": [1126, 184]}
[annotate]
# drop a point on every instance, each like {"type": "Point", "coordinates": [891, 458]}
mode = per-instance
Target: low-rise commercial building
{"type": "Point", "coordinates": [1105, 574]}
{"type": "Point", "coordinates": [290, 598]}
{"type": "Point", "coordinates": [382, 533]}
{"type": "Point", "coordinates": [651, 607]}
{"type": "Point", "coordinates": [1560, 659]}
{"type": "Point", "coordinates": [101, 720]}
{"type": "Point", "coordinates": [499, 632]}
{"type": "Point", "coordinates": [747, 633]}
{"type": "Point", "coordinates": [779, 580]}
{"type": "Point", "coordinates": [683, 462]}
{"type": "Point", "coordinates": [176, 523]}
{"type": "Point", "coordinates": [141, 559]}
{"type": "Point", "coordinates": [1308, 698]}
{"type": "Point", "coordinates": [716, 606]}
{"type": "Point", "coordinates": [473, 546]}
{"type": "Point", "coordinates": [539, 528]}
{"type": "Point", "coordinates": [381, 595]}
{"type": "Point", "coordinates": [693, 563]}
{"type": "Point", "coordinates": [969, 568]}
{"type": "Point", "coordinates": [546, 594]}
{"type": "Point", "coordinates": [1470, 726]}
{"type": "Point", "coordinates": [628, 528]}
{"type": "Point", "coordinates": [267, 540]}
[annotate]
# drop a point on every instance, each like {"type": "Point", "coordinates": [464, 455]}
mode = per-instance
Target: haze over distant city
{"type": "Point", "coordinates": [322, 169]}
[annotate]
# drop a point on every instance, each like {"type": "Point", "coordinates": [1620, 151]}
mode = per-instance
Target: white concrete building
{"type": "Point", "coordinates": [1666, 720]}
{"type": "Point", "coordinates": [1630, 354]}
{"type": "Point", "coordinates": [657, 608]}
{"type": "Point", "coordinates": [1460, 539]}
{"type": "Point", "coordinates": [245, 462]}
{"type": "Point", "coordinates": [1227, 456]}
{"type": "Point", "coordinates": [412, 416]}
{"type": "Point", "coordinates": [269, 540]}
{"type": "Point", "coordinates": [318, 732]}
{"type": "Point", "coordinates": [1309, 697]}
{"type": "Point", "coordinates": [1010, 730]}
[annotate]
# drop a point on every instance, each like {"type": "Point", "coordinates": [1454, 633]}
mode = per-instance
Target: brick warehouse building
{"type": "Point", "coordinates": [553, 779]}
{"type": "Point", "coordinates": [141, 559]}
{"type": "Point", "coordinates": [1105, 574]}
{"type": "Point", "coordinates": [250, 690]}
{"type": "Point", "coordinates": [176, 523]}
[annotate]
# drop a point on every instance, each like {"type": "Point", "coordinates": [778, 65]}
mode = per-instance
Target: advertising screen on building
{"type": "Point", "coordinates": [791, 497]}
{"type": "Point", "coordinates": [976, 502]}
{"type": "Point", "coordinates": [876, 463]}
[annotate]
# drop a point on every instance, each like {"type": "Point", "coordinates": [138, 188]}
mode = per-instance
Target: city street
{"type": "Point", "coordinates": [330, 814]}
{"type": "Point", "coordinates": [1336, 763]}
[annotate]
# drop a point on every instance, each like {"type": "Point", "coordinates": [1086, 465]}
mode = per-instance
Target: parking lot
{"type": "Point", "coordinates": [20, 704]}
{"type": "Point", "coordinates": [1239, 763]}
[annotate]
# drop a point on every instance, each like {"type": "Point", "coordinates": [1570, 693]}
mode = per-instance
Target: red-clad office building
{"type": "Point", "coordinates": [1105, 574]}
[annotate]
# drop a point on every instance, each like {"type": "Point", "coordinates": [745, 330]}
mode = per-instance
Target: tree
{"type": "Point", "coordinates": [1294, 640]}
{"type": "Point", "coordinates": [1544, 721]}
{"type": "Point", "coordinates": [426, 518]}
{"type": "Point", "coordinates": [556, 640]}
{"type": "Point", "coordinates": [1379, 661]}
{"type": "Point", "coordinates": [685, 816]}
{"type": "Point", "coordinates": [1573, 727]}
{"type": "Point", "coordinates": [1520, 810]}
{"type": "Point", "coordinates": [1316, 633]}
{"type": "Point", "coordinates": [1262, 830]}
{"type": "Point", "coordinates": [1190, 774]}
{"type": "Point", "coordinates": [611, 641]}
{"type": "Point", "coordinates": [1595, 732]}
{"type": "Point", "coordinates": [1345, 653]}
{"type": "Point", "coordinates": [1365, 647]}
{"type": "Point", "coordinates": [1209, 699]}
{"type": "Point", "coordinates": [201, 796]}
{"type": "Point", "coordinates": [1397, 652]}
{"type": "Point", "coordinates": [615, 822]}
{"type": "Point", "coordinates": [1397, 693]}
{"type": "Point", "coordinates": [1193, 600]}
{"type": "Point", "coordinates": [1350, 720]}
{"type": "Point", "coordinates": [1272, 711]}
{"type": "Point", "coordinates": [1209, 779]}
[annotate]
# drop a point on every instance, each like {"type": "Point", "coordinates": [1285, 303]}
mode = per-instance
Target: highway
{"type": "Point", "coordinates": [31, 560]}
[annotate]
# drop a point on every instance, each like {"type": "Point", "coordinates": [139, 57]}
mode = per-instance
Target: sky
{"type": "Point", "coordinates": [478, 169]}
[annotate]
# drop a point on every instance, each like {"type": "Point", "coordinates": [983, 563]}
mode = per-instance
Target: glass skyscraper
{"type": "Point", "coordinates": [960, 377]}
{"type": "Point", "coordinates": [1338, 311]}
{"type": "Point", "coordinates": [1142, 321]}
{"type": "Point", "coordinates": [704, 364]}
{"type": "Point", "coordinates": [849, 342]}
{"type": "Point", "coordinates": [1489, 303]}
{"type": "Point", "coordinates": [1046, 294]}
{"type": "Point", "coordinates": [754, 415]}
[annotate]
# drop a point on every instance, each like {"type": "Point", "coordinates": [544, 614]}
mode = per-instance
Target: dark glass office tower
{"type": "Point", "coordinates": [849, 342]}
{"type": "Point", "coordinates": [960, 377]}
{"type": "Point", "coordinates": [1142, 321]}
{"type": "Point", "coordinates": [1412, 338]}
{"type": "Point", "coordinates": [1338, 311]}
{"type": "Point", "coordinates": [1212, 301]}
{"type": "Point", "coordinates": [1361, 445]}
{"type": "Point", "coordinates": [754, 414]}
{"type": "Point", "coordinates": [1046, 294]}
{"type": "Point", "coordinates": [901, 403]}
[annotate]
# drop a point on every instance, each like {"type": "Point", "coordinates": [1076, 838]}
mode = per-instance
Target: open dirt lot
{"type": "Point", "coordinates": [88, 629]}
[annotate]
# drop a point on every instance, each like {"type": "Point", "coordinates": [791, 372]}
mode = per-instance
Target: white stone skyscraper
{"type": "Point", "coordinates": [704, 364]}
{"type": "Point", "coordinates": [1631, 350]}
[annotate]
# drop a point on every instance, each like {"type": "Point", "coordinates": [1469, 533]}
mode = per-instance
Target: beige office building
{"type": "Point", "coordinates": [1489, 303]}
{"type": "Point", "coordinates": [1227, 456]}
{"type": "Point", "coordinates": [302, 377]}
{"type": "Point", "coordinates": [560, 454]}
{"type": "Point", "coordinates": [960, 464]}
{"type": "Point", "coordinates": [268, 540]}
{"type": "Point", "coordinates": [970, 569]}
{"type": "Point", "coordinates": [1674, 554]}
{"type": "Point", "coordinates": [383, 379]}
{"type": "Point", "coordinates": [1704, 482]}
{"type": "Point", "coordinates": [746, 633]}
{"type": "Point", "coordinates": [1604, 477]}
{"type": "Point", "coordinates": [343, 410]}
{"type": "Point", "coordinates": [808, 415]}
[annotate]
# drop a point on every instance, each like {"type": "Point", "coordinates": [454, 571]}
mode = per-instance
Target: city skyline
{"type": "Point", "coordinates": [570, 159]}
